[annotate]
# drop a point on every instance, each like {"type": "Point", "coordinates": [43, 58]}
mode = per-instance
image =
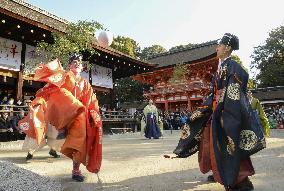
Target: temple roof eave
{"type": "Point", "coordinates": [30, 13]}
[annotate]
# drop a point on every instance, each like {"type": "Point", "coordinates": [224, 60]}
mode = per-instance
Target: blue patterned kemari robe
{"type": "Point", "coordinates": [217, 133]}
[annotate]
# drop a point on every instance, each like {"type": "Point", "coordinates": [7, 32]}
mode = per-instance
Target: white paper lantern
{"type": "Point", "coordinates": [105, 38]}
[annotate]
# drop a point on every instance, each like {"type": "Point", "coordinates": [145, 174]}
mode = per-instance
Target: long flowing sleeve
{"type": "Point", "coordinates": [94, 129]}
{"type": "Point", "coordinates": [146, 110]}
{"type": "Point", "coordinates": [155, 112]}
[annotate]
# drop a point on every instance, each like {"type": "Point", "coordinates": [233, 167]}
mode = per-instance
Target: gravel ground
{"type": "Point", "coordinates": [132, 163]}
{"type": "Point", "coordinates": [14, 178]}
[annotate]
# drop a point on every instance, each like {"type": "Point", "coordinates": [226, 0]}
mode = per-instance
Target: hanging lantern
{"type": "Point", "coordinates": [105, 38]}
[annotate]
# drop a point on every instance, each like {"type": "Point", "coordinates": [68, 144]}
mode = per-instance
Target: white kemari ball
{"type": "Point", "coordinates": [105, 38]}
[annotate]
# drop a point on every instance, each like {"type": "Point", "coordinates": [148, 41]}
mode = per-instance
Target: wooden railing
{"type": "Point", "coordinates": [116, 115]}
{"type": "Point", "coordinates": [12, 110]}
{"type": "Point", "coordinates": [118, 122]}
{"type": "Point", "coordinates": [113, 121]}
{"type": "Point", "coordinates": [108, 115]}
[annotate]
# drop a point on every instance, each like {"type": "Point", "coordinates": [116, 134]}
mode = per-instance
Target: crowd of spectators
{"type": "Point", "coordinates": [275, 115]}
{"type": "Point", "coordinates": [10, 114]}
{"type": "Point", "coordinates": [171, 120]}
{"type": "Point", "coordinates": [175, 120]}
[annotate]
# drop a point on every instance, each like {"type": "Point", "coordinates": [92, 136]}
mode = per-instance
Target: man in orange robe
{"type": "Point", "coordinates": [68, 103]}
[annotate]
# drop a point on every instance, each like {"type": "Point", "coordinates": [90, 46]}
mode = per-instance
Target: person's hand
{"type": "Point", "coordinates": [195, 115]}
{"type": "Point", "coordinates": [10, 130]}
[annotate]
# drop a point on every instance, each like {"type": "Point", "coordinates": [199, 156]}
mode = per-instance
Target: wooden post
{"type": "Point", "coordinates": [20, 82]}
{"type": "Point", "coordinates": [19, 91]}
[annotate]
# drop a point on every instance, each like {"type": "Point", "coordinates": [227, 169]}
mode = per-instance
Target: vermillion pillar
{"type": "Point", "coordinates": [189, 105]}
{"type": "Point", "coordinates": [166, 104]}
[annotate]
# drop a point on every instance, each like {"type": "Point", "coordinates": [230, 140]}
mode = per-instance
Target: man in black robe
{"type": "Point", "coordinates": [222, 139]}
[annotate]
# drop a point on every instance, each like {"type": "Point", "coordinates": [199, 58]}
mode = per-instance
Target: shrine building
{"type": "Point", "coordinates": [189, 91]}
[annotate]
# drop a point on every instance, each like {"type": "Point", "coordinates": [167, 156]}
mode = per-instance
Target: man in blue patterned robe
{"type": "Point", "coordinates": [216, 129]}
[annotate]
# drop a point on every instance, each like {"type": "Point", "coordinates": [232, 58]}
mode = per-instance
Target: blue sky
{"type": "Point", "coordinates": [170, 23]}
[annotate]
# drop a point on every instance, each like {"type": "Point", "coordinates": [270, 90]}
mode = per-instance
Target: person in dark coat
{"type": "Point", "coordinates": [217, 127]}
{"type": "Point", "coordinates": [6, 130]}
{"type": "Point", "coordinates": [18, 133]}
{"type": "Point", "coordinates": [223, 152]}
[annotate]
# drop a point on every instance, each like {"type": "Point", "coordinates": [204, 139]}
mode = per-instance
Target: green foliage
{"type": "Point", "coordinates": [179, 73]}
{"type": "Point", "coordinates": [126, 45]}
{"type": "Point", "coordinates": [150, 51]}
{"type": "Point", "coordinates": [268, 59]}
{"type": "Point", "coordinates": [179, 47]}
{"type": "Point", "coordinates": [129, 90]}
{"type": "Point", "coordinates": [77, 39]}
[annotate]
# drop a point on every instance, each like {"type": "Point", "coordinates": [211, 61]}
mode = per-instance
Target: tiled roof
{"type": "Point", "coordinates": [33, 13]}
{"type": "Point", "coordinates": [185, 55]}
{"type": "Point", "coordinates": [270, 93]}
{"type": "Point", "coordinates": [122, 55]}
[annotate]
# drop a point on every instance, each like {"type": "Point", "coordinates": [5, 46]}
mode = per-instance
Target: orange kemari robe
{"type": "Point", "coordinates": [67, 102]}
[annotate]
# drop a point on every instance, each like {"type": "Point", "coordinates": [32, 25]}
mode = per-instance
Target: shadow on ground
{"type": "Point", "coordinates": [171, 181]}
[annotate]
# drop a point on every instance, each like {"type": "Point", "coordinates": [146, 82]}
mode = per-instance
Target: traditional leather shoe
{"type": "Point", "coordinates": [211, 178]}
{"type": "Point", "coordinates": [78, 178]}
{"type": "Point", "coordinates": [245, 185]}
{"type": "Point", "coordinates": [54, 153]}
{"type": "Point", "coordinates": [29, 156]}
